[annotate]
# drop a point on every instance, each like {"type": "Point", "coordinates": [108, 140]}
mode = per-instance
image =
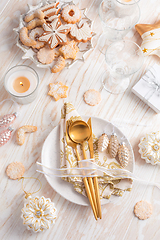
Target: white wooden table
{"type": "Point", "coordinates": [74, 221]}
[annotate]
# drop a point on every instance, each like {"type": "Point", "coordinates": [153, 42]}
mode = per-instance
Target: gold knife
{"type": "Point", "coordinates": [95, 180]}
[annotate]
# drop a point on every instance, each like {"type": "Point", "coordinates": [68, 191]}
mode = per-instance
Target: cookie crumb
{"type": "Point", "coordinates": [15, 170]}
{"type": "Point", "coordinates": [143, 210]}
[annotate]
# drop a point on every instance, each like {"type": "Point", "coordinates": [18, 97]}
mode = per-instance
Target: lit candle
{"type": "Point", "coordinates": [21, 82]}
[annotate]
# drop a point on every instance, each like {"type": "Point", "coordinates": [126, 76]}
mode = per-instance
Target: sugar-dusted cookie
{"type": "Point", "coordinates": [36, 22]}
{"type": "Point", "coordinates": [92, 97]}
{"type": "Point", "coordinates": [20, 135]}
{"type": "Point", "coordinates": [70, 50]}
{"type": "Point", "coordinates": [46, 55]}
{"type": "Point", "coordinates": [143, 210]}
{"type": "Point", "coordinates": [55, 33]}
{"type": "Point", "coordinates": [59, 65]}
{"type": "Point", "coordinates": [15, 170]}
{"type": "Point", "coordinates": [81, 34]}
{"type": "Point", "coordinates": [37, 14]}
{"type": "Point", "coordinates": [35, 34]}
{"type": "Point", "coordinates": [57, 90]}
{"type": "Point", "coordinates": [25, 39]}
{"type": "Point", "coordinates": [71, 14]}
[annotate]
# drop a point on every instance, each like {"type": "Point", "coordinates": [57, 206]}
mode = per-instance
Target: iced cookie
{"type": "Point", "coordinates": [35, 34]}
{"type": "Point", "coordinates": [58, 90]}
{"type": "Point", "coordinates": [55, 33]}
{"type": "Point", "coordinates": [25, 39]}
{"type": "Point", "coordinates": [20, 135]}
{"type": "Point", "coordinates": [92, 97]}
{"type": "Point", "coordinates": [15, 170]}
{"type": "Point", "coordinates": [50, 10]}
{"type": "Point", "coordinates": [81, 34]}
{"type": "Point", "coordinates": [143, 210]}
{"type": "Point", "coordinates": [71, 14]}
{"type": "Point", "coordinates": [37, 14]}
{"type": "Point", "coordinates": [36, 22]}
{"type": "Point", "coordinates": [46, 55]}
{"type": "Point", "coordinates": [70, 50]}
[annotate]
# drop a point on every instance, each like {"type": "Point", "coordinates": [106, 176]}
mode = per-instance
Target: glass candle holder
{"type": "Point", "coordinates": [21, 82]}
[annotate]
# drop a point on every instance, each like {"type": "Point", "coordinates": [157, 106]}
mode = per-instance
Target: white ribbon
{"type": "Point", "coordinates": [153, 83]}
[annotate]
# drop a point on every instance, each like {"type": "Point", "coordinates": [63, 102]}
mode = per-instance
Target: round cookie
{"type": "Point", "coordinates": [46, 55]}
{"type": "Point", "coordinates": [71, 14]}
{"type": "Point", "coordinates": [92, 97]}
{"type": "Point", "coordinates": [15, 170]}
{"type": "Point", "coordinates": [143, 210]}
{"type": "Point", "coordinates": [34, 34]}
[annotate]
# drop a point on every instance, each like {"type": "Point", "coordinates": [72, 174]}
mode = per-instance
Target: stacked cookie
{"type": "Point", "coordinates": [54, 33]}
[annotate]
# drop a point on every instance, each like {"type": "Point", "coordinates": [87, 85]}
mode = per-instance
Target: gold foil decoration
{"type": "Point", "coordinates": [150, 34]}
{"type": "Point", "coordinates": [143, 28]}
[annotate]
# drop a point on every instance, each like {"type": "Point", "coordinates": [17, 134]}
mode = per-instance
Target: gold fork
{"type": "Point", "coordinates": [74, 146]}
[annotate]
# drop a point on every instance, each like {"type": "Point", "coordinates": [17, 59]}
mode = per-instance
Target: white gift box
{"type": "Point", "coordinates": [148, 88]}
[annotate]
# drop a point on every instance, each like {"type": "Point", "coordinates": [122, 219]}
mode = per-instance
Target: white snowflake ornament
{"type": "Point", "coordinates": [38, 213]}
{"type": "Point", "coordinates": [149, 148]}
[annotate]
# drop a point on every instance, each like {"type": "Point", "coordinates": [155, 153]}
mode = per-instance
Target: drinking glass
{"type": "Point", "coordinates": [118, 17]}
{"type": "Point", "coordinates": [123, 59]}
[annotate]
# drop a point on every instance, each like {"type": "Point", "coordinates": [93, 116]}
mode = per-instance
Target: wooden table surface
{"type": "Point", "coordinates": [74, 221]}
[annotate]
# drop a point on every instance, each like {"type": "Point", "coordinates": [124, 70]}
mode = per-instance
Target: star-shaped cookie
{"type": "Point", "coordinates": [150, 34]}
{"type": "Point", "coordinates": [55, 33]}
{"type": "Point", "coordinates": [58, 90]}
{"type": "Point", "coordinates": [69, 50]}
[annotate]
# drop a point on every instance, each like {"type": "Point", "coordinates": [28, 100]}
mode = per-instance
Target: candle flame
{"type": "Point", "coordinates": [21, 84]}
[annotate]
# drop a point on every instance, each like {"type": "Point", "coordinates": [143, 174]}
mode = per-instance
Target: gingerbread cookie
{"type": "Point", "coordinates": [20, 135]}
{"type": "Point", "coordinates": [35, 23]}
{"type": "Point", "coordinates": [35, 34]}
{"type": "Point", "coordinates": [92, 97]}
{"type": "Point", "coordinates": [81, 34]}
{"type": "Point", "coordinates": [46, 55]}
{"type": "Point", "coordinates": [15, 170]}
{"type": "Point", "coordinates": [37, 14]}
{"type": "Point", "coordinates": [57, 90]}
{"type": "Point", "coordinates": [55, 33]}
{"type": "Point", "coordinates": [25, 39]}
{"type": "Point", "coordinates": [71, 14]}
{"type": "Point", "coordinates": [143, 210]}
{"type": "Point", "coordinates": [70, 50]}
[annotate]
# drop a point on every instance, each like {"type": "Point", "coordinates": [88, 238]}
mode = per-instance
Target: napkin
{"type": "Point", "coordinates": [68, 160]}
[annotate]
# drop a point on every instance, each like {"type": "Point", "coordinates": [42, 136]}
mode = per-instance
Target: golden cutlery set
{"type": "Point", "coordinates": [78, 132]}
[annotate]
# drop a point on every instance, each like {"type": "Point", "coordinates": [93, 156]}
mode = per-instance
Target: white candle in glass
{"type": "Point", "coordinates": [21, 82]}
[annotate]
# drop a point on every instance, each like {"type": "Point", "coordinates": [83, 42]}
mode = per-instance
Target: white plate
{"type": "Point", "coordinates": [50, 157]}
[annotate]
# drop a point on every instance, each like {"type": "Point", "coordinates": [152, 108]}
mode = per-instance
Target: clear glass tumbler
{"type": "Point", "coordinates": [118, 17]}
{"type": "Point", "coordinates": [123, 59]}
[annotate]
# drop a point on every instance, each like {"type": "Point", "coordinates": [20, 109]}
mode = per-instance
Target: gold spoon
{"type": "Point", "coordinates": [79, 132]}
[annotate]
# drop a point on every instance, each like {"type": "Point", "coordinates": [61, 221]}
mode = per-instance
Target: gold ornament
{"type": "Point", "coordinates": [123, 155]}
{"type": "Point", "coordinates": [103, 142]}
{"type": "Point", "coordinates": [150, 34]}
{"type": "Point", "coordinates": [113, 145]}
